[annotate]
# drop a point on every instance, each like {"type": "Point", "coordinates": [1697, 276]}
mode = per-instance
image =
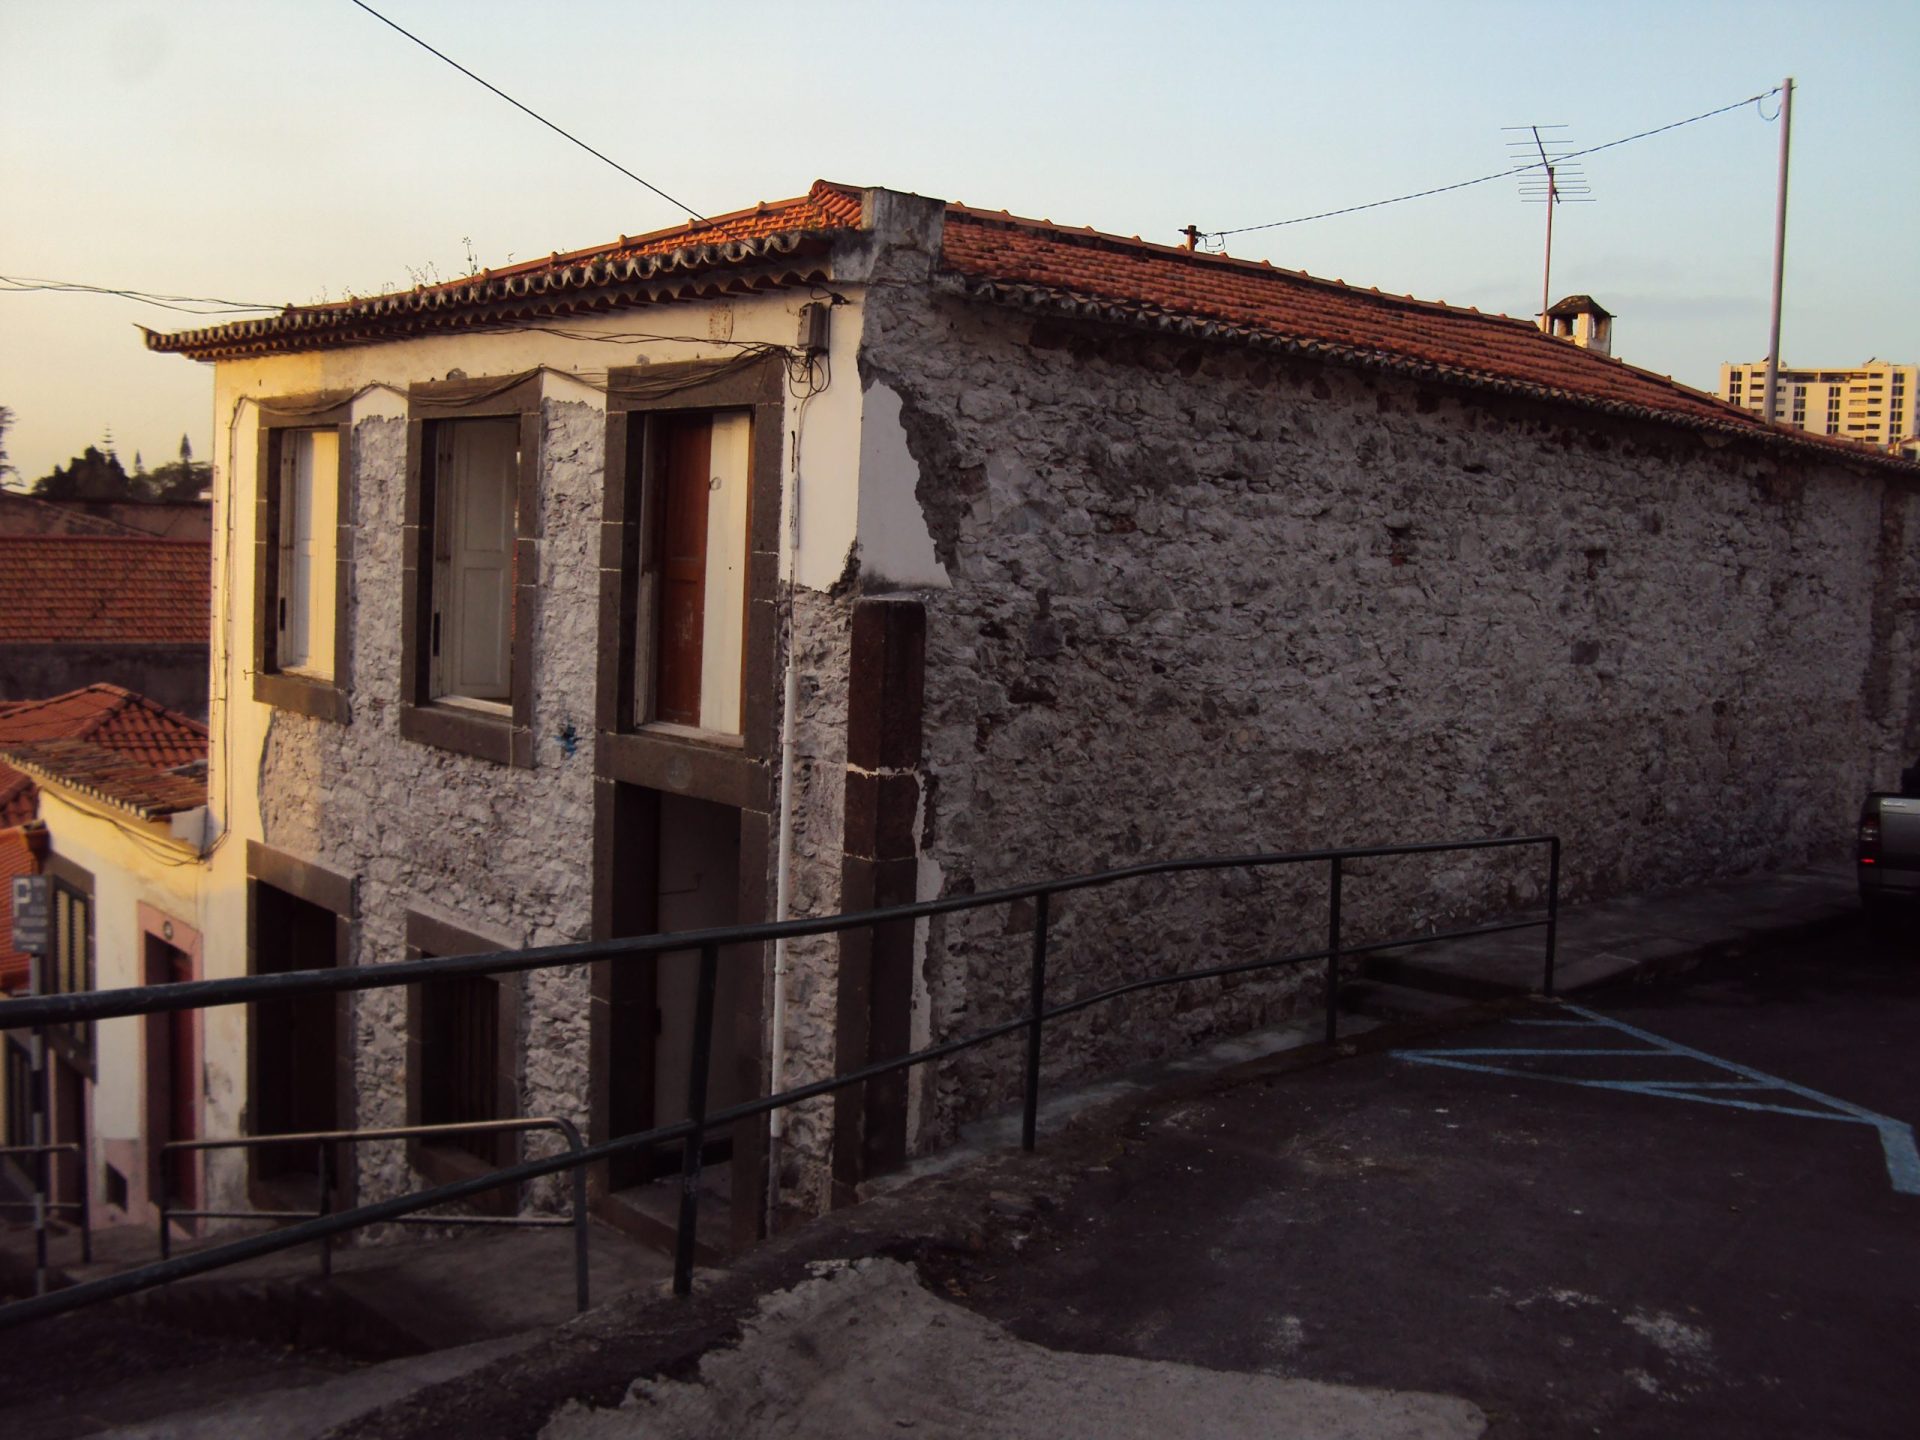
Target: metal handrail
{"type": "Point", "coordinates": [63, 1147]}
{"type": "Point", "coordinates": [292, 984]}
{"type": "Point", "coordinates": [327, 1139]}
{"type": "Point", "coordinates": [42, 1206]}
{"type": "Point", "coordinates": [708, 942]}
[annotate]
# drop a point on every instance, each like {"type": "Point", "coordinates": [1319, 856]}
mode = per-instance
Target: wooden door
{"type": "Point", "coordinates": [173, 1082]}
{"type": "Point", "coordinates": [294, 1044]}
{"type": "Point", "coordinates": [685, 449]}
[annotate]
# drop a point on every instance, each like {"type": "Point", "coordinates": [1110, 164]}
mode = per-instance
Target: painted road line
{"type": "Point", "coordinates": [1896, 1136]}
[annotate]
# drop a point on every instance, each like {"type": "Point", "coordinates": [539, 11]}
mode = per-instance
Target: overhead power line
{"type": "Point", "coordinates": [186, 304]}
{"type": "Point", "coordinates": [535, 114]}
{"type": "Point", "coordinates": [1496, 175]}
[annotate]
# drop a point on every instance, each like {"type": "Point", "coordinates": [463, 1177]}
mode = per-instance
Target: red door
{"type": "Point", "coordinates": [685, 455]}
{"type": "Point", "coordinates": [173, 1083]}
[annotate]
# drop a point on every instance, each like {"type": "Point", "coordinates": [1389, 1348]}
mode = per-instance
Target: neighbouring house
{"type": "Point", "coordinates": [109, 716]}
{"type": "Point", "coordinates": [23, 851]}
{"type": "Point", "coordinates": [123, 847]}
{"type": "Point", "coordinates": [934, 549]}
{"type": "Point", "coordinates": [105, 792]}
{"type": "Point", "coordinates": [23, 846]}
{"type": "Point", "coordinates": [163, 519]}
{"type": "Point", "coordinates": [130, 610]}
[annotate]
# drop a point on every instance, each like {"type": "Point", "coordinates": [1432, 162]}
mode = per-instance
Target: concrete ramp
{"type": "Point", "coordinates": [865, 1349]}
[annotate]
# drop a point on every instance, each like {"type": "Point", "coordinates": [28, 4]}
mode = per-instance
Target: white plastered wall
{"type": "Point", "coordinates": [144, 883]}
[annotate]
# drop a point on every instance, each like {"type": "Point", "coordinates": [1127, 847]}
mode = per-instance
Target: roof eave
{"type": "Point", "coordinates": [512, 301]}
{"type": "Point", "coordinates": [1051, 300]}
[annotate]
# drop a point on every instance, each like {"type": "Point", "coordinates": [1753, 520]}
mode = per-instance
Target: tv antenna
{"type": "Point", "coordinates": [1549, 179]}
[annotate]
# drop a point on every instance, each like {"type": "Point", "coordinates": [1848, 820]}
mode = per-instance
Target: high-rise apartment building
{"type": "Point", "coordinates": [1873, 404]}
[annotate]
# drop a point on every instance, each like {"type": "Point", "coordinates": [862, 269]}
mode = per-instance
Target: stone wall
{"type": "Point", "coordinates": [503, 852]}
{"type": "Point", "coordinates": [819, 638]}
{"type": "Point", "coordinates": [1207, 599]}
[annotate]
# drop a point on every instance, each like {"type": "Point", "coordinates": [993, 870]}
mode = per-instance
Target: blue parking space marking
{"type": "Point", "coordinates": [1896, 1136]}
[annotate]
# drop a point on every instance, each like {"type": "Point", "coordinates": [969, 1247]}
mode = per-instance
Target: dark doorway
{"type": "Point", "coordinates": [677, 867]}
{"type": "Point", "coordinates": [173, 1083]}
{"type": "Point", "coordinates": [293, 1045]}
{"type": "Point", "coordinates": [68, 1127]}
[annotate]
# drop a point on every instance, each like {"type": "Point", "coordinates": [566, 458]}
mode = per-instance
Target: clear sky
{"type": "Point", "coordinates": [276, 150]}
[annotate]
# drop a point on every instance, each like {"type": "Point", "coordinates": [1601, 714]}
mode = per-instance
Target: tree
{"type": "Point", "coordinates": [183, 479]}
{"type": "Point", "coordinates": [90, 475]}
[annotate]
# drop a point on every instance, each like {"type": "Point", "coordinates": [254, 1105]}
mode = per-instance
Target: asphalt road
{"type": "Point", "coordinates": [1575, 1260]}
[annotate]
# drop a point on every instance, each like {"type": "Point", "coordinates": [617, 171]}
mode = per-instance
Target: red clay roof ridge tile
{"type": "Point", "coordinates": [106, 775]}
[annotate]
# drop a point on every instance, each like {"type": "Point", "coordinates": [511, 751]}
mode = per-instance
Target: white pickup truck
{"type": "Point", "coordinates": [1888, 849]}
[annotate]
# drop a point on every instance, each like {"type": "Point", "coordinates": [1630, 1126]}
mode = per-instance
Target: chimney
{"type": "Point", "coordinates": [1580, 319]}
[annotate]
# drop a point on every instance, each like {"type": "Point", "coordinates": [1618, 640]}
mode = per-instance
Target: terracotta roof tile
{"type": "Point", "coordinates": [112, 590]}
{"type": "Point", "coordinates": [997, 257]}
{"type": "Point", "coordinates": [107, 775]}
{"type": "Point", "coordinates": [143, 730]}
{"type": "Point", "coordinates": [635, 269]}
{"type": "Point", "coordinates": [21, 849]}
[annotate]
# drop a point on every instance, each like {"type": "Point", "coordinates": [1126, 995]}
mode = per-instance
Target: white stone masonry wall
{"type": "Point", "coordinates": [501, 851]}
{"type": "Point", "coordinates": [1206, 600]}
{"type": "Point", "coordinates": [820, 637]}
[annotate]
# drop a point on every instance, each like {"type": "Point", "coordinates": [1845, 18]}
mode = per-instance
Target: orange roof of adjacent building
{"type": "Point", "coordinates": [104, 590]}
{"type": "Point", "coordinates": [1035, 264]}
{"type": "Point", "coordinates": [142, 730]}
{"type": "Point", "coordinates": [108, 775]}
{"type": "Point", "coordinates": [21, 849]}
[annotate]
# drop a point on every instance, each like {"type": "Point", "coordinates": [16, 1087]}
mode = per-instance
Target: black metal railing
{"type": "Point", "coordinates": [327, 1140]}
{"type": "Point", "coordinates": [42, 1207]}
{"type": "Point", "coordinates": [690, 1133]}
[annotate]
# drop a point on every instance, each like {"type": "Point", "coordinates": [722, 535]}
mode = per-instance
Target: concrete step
{"type": "Point", "coordinates": [308, 1411]}
{"type": "Point", "coordinates": [1381, 1000]}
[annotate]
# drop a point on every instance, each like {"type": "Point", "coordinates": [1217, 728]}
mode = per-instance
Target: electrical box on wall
{"type": "Point", "coordinates": [814, 328]}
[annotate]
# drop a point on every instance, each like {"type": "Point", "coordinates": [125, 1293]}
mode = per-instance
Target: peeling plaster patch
{"type": "Point", "coordinates": [1675, 1337]}
{"type": "Point", "coordinates": [896, 545]}
{"type": "Point", "coordinates": [1287, 1334]}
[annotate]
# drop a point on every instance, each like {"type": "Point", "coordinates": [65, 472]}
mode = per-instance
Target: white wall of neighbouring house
{"type": "Point", "coordinates": [145, 884]}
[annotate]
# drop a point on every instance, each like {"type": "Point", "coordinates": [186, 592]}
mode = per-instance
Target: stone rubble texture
{"type": "Point", "coordinates": [488, 848]}
{"type": "Point", "coordinates": [1208, 600]}
{"type": "Point", "coordinates": [820, 628]}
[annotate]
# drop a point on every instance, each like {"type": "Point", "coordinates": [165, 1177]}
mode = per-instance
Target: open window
{"type": "Point", "coordinates": [471, 568]}
{"type": "Point", "coordinates": [302, 548]}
